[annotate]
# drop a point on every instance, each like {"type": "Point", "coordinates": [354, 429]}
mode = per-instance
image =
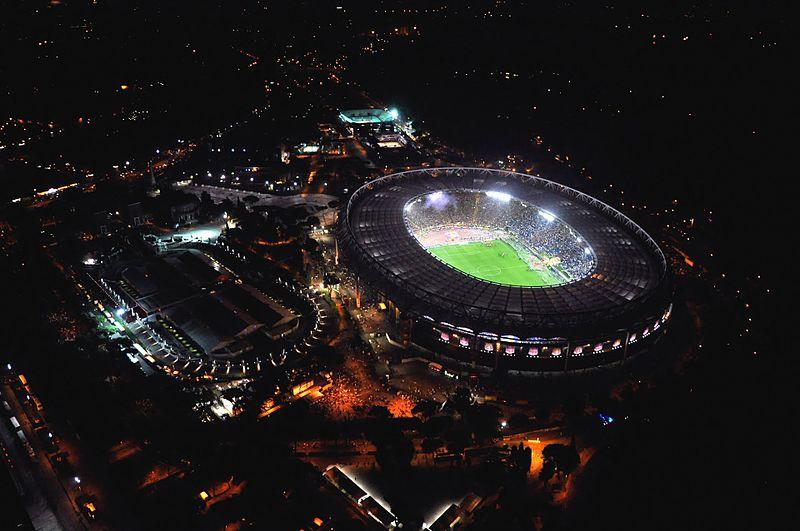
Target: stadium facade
{"type": "Point", "coordinates": [500, 269]}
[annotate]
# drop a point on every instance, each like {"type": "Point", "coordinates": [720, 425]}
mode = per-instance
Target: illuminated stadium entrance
{"type": "Point", "coordinates": [498, 238]}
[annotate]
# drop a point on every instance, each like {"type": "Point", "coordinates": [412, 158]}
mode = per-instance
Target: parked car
{"type": "Point", "coordinates": [87, 505]}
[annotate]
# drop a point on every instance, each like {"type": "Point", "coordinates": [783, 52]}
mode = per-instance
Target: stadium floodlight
{"type": "Point", "coordinates": [547, 215]}
{"type": "Point", "coordinates": [437, 199]}
{"type": "Point", "coordinates": [394, 114]}
{"type": "Point", "coordinates": [500, 196]}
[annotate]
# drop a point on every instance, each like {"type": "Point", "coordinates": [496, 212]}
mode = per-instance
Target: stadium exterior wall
{"type": "Point", "coordinates": [538, 355]}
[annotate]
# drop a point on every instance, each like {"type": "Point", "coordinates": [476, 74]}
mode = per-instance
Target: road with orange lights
{"type": "Point", "coordinates": [46, 500]}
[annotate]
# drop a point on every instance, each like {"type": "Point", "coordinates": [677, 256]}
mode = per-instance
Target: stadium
{"type": "Point", "coordinates": [505, 270]}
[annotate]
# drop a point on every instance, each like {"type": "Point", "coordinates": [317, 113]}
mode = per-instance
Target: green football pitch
{"type": "Point", "coordinates": [496, 262]}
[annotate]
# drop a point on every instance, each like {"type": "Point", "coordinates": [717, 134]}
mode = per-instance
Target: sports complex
{"type": "Point", "coordinates": [500, 269]}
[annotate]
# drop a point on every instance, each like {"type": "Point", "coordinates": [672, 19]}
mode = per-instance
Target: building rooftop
{"type": "Point", "coordinates": [447, 520]}
{"type": "Point", "coordinates": [344, 483]}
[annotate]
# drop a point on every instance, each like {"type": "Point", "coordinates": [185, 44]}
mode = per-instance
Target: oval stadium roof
{"type": "Point", "coordinates": [629, 277]}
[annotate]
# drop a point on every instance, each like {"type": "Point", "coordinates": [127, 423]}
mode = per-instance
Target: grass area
{"type": "Point", "coordinates": [496, 261]}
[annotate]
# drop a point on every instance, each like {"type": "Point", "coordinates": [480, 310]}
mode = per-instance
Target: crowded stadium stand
{"type": "Point", "coordinates": [538, 238]}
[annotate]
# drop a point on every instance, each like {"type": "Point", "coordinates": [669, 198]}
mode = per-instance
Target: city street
{"type": "Point", "coordinates": [46, 498]}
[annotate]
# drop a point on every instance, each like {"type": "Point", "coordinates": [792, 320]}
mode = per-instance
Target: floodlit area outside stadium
{"type": "Point", "coordinates": [496, 269]}
{"type": "Point", "coordinates": [369, 116]}
{"type": "Point", "coordinates": [498, 238]}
